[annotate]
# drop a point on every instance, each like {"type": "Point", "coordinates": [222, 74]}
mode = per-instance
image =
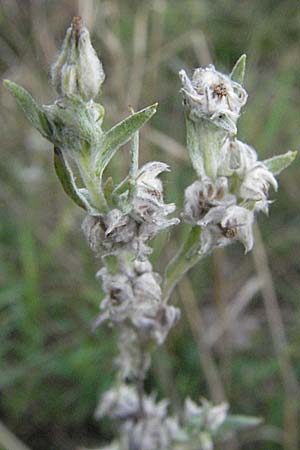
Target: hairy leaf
{"type": "Point", "coordinates": [239, 422]}
{"type": "Point", "coordinates": [32, 110]}
{"type": "Point", "coordinates": [67, 180]}
{"type": "Point", "coordinates": [238, 71]}
{"type": "Point", "coordinates": [280, 162]}
{"type": "Point", "coordinates": [120, 134]}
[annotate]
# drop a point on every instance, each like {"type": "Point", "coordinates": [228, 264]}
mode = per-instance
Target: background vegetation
{"type": "Point", "coordinates": [240, 332]}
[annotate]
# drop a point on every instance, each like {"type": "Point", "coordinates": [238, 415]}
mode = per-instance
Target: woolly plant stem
{"type": "Point", "coordinates": [187, 256]}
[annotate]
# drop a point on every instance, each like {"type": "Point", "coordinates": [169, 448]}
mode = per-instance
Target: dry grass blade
{"type": "Point", "coordinates": [166, 143]}
{"type": "Point", "coordinates": [201, 49]}
{"type": "Point", "coordinates": [280, 343]}
{"type": "Point", "coordinates": [139, 45]}
{"type": "Point", "coordinates": [157, 36]}
{"type": "Point", "coordinates": [210, 370]}
{"type": "Point", "coordinates": [87, 10]}
{"type": "Point", "coordinates": [9, 441]}
{"type": "Point", "coordinates": [233, 311]}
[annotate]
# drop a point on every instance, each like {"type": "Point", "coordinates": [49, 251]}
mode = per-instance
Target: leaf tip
{"type": "Point", "coordinates": [8, 84]}
{"type": "Point", "coordinates": [238, 71]}
{"type": "Point", "coordinates": [153, 108]}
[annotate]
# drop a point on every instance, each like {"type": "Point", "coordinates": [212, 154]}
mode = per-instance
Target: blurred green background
{"type": "Point", "coordinates": [239, 336]}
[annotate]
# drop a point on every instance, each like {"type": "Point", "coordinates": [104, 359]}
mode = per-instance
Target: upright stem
{"type": "Point", "coordinates": [187, 256]}
{"type": "Point", "coordinates": [91, 184]}
{"type": "Point", "coordinates": [140, 384]}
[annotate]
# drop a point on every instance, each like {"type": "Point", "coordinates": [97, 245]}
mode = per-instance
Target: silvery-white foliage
{"type": "Point", "coordinates": [232, 185]}
{"type": "Point", "coordinates": [118, 230]}
{"type": "Point", "coordinates": [238, 157]}
{"type": "Point", "coordinates": [255, 178]}
{"type": "Point", "coordinates": [152, 433]}
{"type": "Point", "coordinates": [110, 232]}
{"type": "Point", "coordinates": [77, 69]}
{"type": "Point", "coordinates": [148, 206]}
{"type": "Point", "coordinates": [142, 266]}
{"type": "Point", "coordinates": [200, 196]}
{"type": "Point", "coordinates": [256, 183]}
{"type": "Point", "coordinates": [120, 403]}
{"type": "Point", "coordinates": [157, 326]}
{"type": "Point", "coordinates": [214, 96]}
{"type": "Point", "coordinates": [146, 287]}
{"type": "Point", "coordinates": [135, 297]}
{"type": "Point", "coordinates": [222, 226]}
{"type": "Point", "coordinates": [149, 428]}
{"type": "Point", "coordinates": [112, 446]}
{"type": "Point", "coordinates": [132, 361]}
{"type": "Point", "coordinates": [119, 298]}
{"type": "Point", "coordinates": [119, 227]}
{"type": "Point", "coordinates": [210, 417]}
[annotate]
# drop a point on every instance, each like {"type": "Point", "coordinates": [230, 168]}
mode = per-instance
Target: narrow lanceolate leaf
{"type": "Point", "coordinates": [67, 180]}
{"type": "Point", "coordinates": [32, 110]}
{"type": "Point", "coordinates": [108, 190]}
{"type": "Point", "coordinates": [238, 71]}
{"type": "Point", "coordinates": [119, 135]}
{"type": "Point", "coordinates": [237, 422]}
{"type": "Point", "coordinates": [280, 162]}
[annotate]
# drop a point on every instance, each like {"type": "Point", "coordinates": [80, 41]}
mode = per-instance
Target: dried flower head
{"type": "Point", "coordinates": [149, 208]}
{"type": "Point", "coordinates": [150, 429]}
{"type": "Point", "coordinates": [222, 226]}
{"type": "Point", "coordinates": [209, 417]}
{"type": "Point", "coordinates": [201, 196]}
{"type": "Point", "coordinates": [213, 96]}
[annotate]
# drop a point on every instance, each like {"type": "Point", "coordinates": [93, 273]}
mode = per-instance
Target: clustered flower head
{"type": "Point", "coordinates": [133, 296]}
{"type": "Point", "coordinates": [149, 428]}
{"type": "Point", "coordinates": [139, 218]}
{"type": "Point", "coordinates": [233, 185]}
{"type": "Point", "coordinates": [153, 428]}
{"type": "Point", "coordinates": [213, 96]}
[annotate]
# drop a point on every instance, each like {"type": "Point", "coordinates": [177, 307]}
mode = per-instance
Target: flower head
{"type": "Point", "coordinates": [256, 183]}
{"type": "Point", "coordinates": [209, 417]}
{"type": "Point", "coordinates": [109, 232]}
{"type": "Point", "coordinates": [200, 196]}
{"type": "Point", "coordinates": [222, 226]}
{"type": "Point", "coordinates": [149, 208]}
{"type": "Point", "coordinates": [214, 96]}
{"type": "Point", "coordinates": [254, 177]}
{"type": "Point", "coordinates": [152, 429]}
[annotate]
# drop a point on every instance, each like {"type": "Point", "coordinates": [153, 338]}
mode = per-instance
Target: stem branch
{"type": "Point", "coordinates": [187, 256]}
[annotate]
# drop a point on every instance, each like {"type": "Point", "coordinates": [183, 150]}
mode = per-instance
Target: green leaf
{"type": "Point", "coordinates": [280, 162]}
{"type": "Point", "coordinates": [108, 189]}
{"type": "Point", "coordinates": [238, 422]}
{"type": "Point", "coordinates": [66, 178]}
{"type": "Point", "coordinates": [238, 71]}
{"type": "Point", "coordinates": [32, 110]}
{"type": "Point", "coordinates": [119, 135]}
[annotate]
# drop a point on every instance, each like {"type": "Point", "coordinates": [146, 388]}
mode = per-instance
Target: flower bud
{"type": "Point", "coordinates": [77, 70]}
